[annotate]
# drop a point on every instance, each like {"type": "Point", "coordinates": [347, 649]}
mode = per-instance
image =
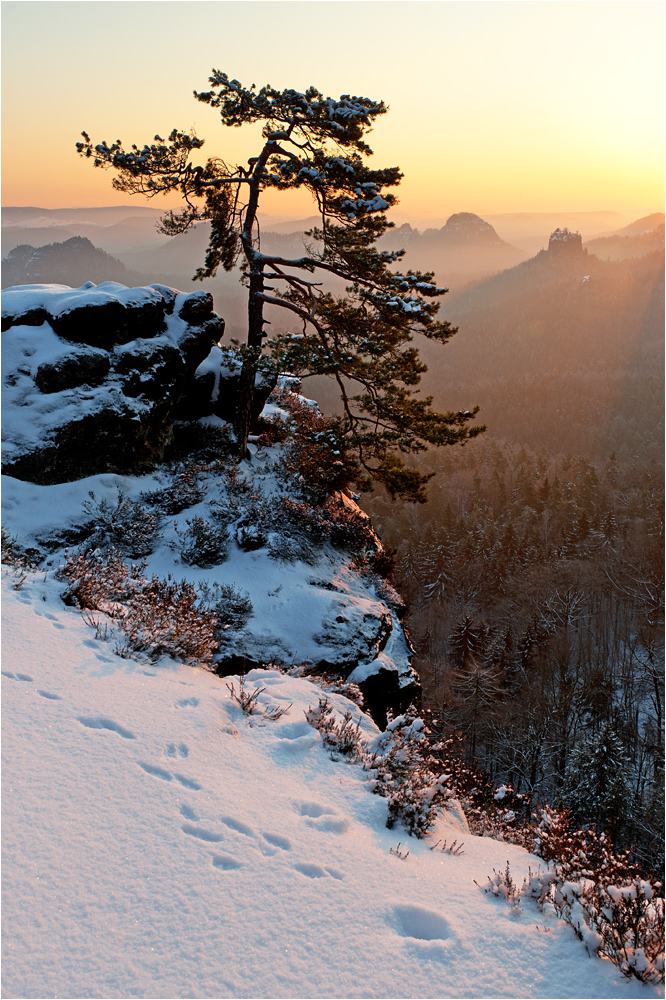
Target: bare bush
{"type": "Point", "coordinates": [100, 581]}
{"type": "Point", "coordinates": [165, 617]}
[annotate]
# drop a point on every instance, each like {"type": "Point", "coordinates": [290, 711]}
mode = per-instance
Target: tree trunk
{"type": "Point", "coordinates": [255, 334]}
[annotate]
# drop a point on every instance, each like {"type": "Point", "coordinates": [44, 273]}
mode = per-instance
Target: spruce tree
{"type": "Point", "coordinates": [595, 781]}
{"type": "Point", "coordinates": [466, 643]}
{"type": "Point", "coordinates": [361, 340]}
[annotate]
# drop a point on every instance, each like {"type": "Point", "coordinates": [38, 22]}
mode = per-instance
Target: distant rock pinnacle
{"type": "Point", "coordinates": [562, 243]}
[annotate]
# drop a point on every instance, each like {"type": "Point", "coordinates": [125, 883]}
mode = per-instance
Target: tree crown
{"type": "Point", "coordinates": [361, 339]}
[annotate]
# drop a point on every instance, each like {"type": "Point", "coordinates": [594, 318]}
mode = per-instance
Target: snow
{"type": "Point", "coordinates": [157, 842]}
{"type": "Point", "coordinates": [59, 299]}
{"type": "Point", "coordinates": [321, 611]}
{"type": "Point", "coordinates": [30, 417]}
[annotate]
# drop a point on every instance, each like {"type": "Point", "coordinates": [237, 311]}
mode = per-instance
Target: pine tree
{"type": "Point", "coordinates": [361, 340]}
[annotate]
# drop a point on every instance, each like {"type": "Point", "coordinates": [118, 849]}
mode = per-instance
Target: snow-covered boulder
{"type": "Point", "coordinates": [217, 382]}
{"type": "Point", "coordinates": [94, 377]}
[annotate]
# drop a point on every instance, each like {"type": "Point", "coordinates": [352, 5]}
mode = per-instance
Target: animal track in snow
{"type": "Point", "coordinates": [425, 925]}
{"type": "Point", "coordinates": [322, 817]}
{"type": "Point", "coordinates": [189, 813]}
{"type": "Point", "coordinates": [182, 750]}
{"type": "Point", "coordinates": [102, 723]}
{"type": "Point", "coordinates": [225, 862]}
{"type": "Point", "coordinates": [316, 871]}
{"type": "Point", "coordinates": [7, 673]}
{"type": "Point", "coordinates": [52, 697]}
{"type": "Point", "coordinates": [277, 841]}
{"type": "Point", "coordinates": [157, 772]}
{"type": "Point", "coordinates": [235, 824]}
{"type": "Point", "coordinates": [187, 782]}
{"type": "Point", "coordinates": [187, 703]}
{"type": "Point", "coordinates": [313, 809]}
{"type": "Point", "coordinates": [329, 824]}
{"type": "Point", "coordinates": [201, 834]}
{"type": "Point", "coordinates": [160, 772]}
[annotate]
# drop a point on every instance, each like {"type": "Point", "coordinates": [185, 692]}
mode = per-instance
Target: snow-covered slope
{"type": "Point", "coordinates": [157, 842]}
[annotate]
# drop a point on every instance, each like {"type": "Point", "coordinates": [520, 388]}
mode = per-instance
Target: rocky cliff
{"type": "Point", "coordinates": [116, 433]}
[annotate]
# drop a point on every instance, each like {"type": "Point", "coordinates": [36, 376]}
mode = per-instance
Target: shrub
{"type": "Point", "coordinates": [164, 617]}
{"type": "Point", "coordinates": [399, 766]}
{"type": "Point", "coordinates": [341, 736]}
{"type": "Point", "coordinates": [315, 456]}
{"type": "Point", "coordinates": [129, 526]}
{"type": "Point", "coordinates": [333, 520]}
{"type": "Point", "coordinates": [184, 491]}
{"type": "Point", "coordinates": [612, 909]}
{"type": "Point", "coordinates": [404, 774]}
{"type": "Point", "coordinates": [203, 544]}
{"type": "Point", "coordinates": [100, 581]}
{"type": "Point", "coordinates": [13, 554]}
{"type": "Point", "coordinates": [157, 616]}
{"type": "Point", "coordinates": [231, 606]}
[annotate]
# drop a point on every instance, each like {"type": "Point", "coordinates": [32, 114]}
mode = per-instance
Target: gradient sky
{"type": "Point", "coordinates": [495, 106]}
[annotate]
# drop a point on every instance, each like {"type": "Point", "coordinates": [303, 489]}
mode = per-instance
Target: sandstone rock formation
{"type": "Point", "coordinates": [94, 377]}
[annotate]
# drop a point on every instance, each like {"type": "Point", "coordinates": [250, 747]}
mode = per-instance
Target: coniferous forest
{"type": "Point", "coordinates": [534, 588]}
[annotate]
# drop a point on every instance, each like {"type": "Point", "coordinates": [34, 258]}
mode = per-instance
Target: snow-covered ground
{"type": "Point", "coordinates": [157, 842]}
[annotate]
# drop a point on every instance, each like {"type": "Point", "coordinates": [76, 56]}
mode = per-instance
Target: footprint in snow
{"type": "Point", "coordinates": [316, 871]}
{"type": "Point", "coordinates": [313, 809]}
{"type": "Point", "coordinates": [157, 772]}
{"type": "Point", "coordinates": [424, 925]}
{"type": "Point", "coordinates": [225, 863]}
{"type": "Point", "coordinates": [329, 824]}
{"type": "Point", "coordinates": [276, 840]}
{"type": "Point", "coordinates": [52, 697]}
{"type": "Point", "coordinates": [160, 772]}
{"type": "Point", "coordinates": [16, 677]}
{"type": "Point", "coordinates": [187, 703]}
{"type": "Point", "coordinates": [187, 782]}
{"type": "Point", "coordinates": [202, 834]}
{"type": "Point", "coordinates": [188, 813]}
{"type": "Point", "coordinates": [100, 722]}
{"type": "Point", "coordinates": [236, 824]}
{"type": "Point", "coordinates": [322, 818]}
{"type": "Point", "coordinates": [182, 750]}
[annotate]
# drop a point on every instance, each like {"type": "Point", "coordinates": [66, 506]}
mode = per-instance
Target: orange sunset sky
{"type": "Point", "coordinates": [495, 106]}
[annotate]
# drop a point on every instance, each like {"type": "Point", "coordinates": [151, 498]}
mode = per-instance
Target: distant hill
{"type": "Point", "coordinates": [646, 224]}
{"type": "Point", "coordinates": [72, 262]}
{"type": "Point", "coordinates": [22, 215]}
{"type": "Point", "coordinates": [466, 247]}
{"type": "Point", "coordinates": [635, 240]}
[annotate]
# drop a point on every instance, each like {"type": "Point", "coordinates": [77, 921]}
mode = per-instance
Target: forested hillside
{"type": "Point", "coordinates": [535, 596]}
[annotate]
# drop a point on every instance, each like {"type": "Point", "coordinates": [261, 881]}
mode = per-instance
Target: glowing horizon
{"type": "Point", "coordinates": [495, 107]}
